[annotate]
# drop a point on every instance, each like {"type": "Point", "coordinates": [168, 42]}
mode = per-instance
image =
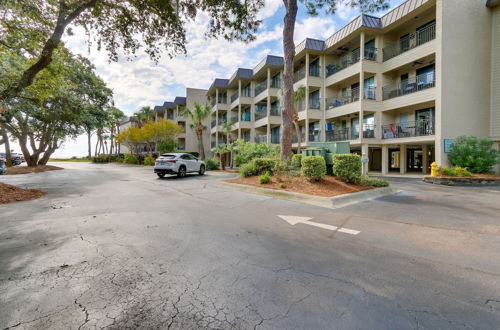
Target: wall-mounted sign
{"type": "Point", "coordinates": [447, 144]}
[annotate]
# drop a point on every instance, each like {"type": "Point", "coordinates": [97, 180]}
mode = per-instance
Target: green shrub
{"type": "Point", "coordinates": [281, 168]}
{"type": "Point", "coordinates": [212, 164]}
{"type": "Point", "coordinates": [460, 171]}
{"type": "Point", "coordinates": [131, 159]}
{"type": "Point", "coordinates": [244, 152]}
{"type": "Point", "coordinates": [265, 165]}
{"type": "Point", "coordinates": [194, 153]}
{"type": "Point", "coordinates": [313, 167]}
{"type": "Point", "coordinates": [476, 155]}
{"type": "Point", "coordinates": [149, 160]}
{"type": "Point", "coordinates": [101, 159]}
{"type": "Point", "coordinates": [296, 161]}
{"type": "Point", "coordinates": [347, 167]}
{"type": "Point", "coordinates": [375, 182]}
{"type": "Point", "coordinates": [446, 171]}
{"type": "Point", "coordinates": [258, 166]}
{"type": "Point", "coordinates": [166, 146]}
{"type": "Point", "coordinates": [282, 185]}
{"type": "Point", "coordinates": [265, 178]}
{"type": "Point", "coordinates": [456, 171]}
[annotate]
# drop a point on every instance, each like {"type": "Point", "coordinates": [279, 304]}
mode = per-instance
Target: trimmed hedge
{"type": "Point", "coordinates": [297, 161]}
{"type": "Point", "coordinates": [313, 167]}
{"type": "Point", "coordinates": [347, 167]}
{"type": "Point", "coordinates": [374, 182]}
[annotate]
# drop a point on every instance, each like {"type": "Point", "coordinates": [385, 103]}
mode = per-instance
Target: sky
{"type": "Point", "coordinates": [141, 82]}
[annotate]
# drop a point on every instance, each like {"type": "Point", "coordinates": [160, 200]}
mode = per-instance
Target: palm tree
{"type": "Point", "coordinates": [298, 96]}
{"type": "Point", "coordinates": [221, 150]}
{"type": "Point", "coordinates": [144, 115]}
{"type": "Point", "coordinates": [198, 115]}
{"type": "Point", "coordinates": [227, 128]}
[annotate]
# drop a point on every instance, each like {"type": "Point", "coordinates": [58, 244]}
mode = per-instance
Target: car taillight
{"type": "Point", "coordinates": [172, 161]}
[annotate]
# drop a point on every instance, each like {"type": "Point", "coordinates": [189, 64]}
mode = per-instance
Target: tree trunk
{"type": "Point", "coordinates": [289, 53]}
{"type": "Point", "coordinates": [8, 156]}
{"type": "Point", "coordinates": [89, 143]}
{"type": "Point", "coordinates": [46, 156]}
{"type": "Point", "coordinates": [201, 149]}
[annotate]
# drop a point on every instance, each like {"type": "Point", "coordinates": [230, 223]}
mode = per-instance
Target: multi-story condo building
{"type": "Point", "coordinates": [174, 111]}
{"type": "Point", "coordinates": [399, 87]}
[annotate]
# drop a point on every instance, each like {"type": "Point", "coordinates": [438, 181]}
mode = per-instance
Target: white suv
{"type": "Point", "coordinates": [178, 163]}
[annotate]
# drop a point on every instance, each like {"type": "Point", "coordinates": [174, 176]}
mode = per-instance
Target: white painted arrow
{"type": "Point", "coordinates": [293, 220]}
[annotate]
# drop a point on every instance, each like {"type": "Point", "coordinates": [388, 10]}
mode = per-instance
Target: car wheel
{"type": "Point", "coordinates": [202, 170]}
{"type": "Point", "coordinates": [161, 175]}
{"type": "Point", "coordinates": [182, 172]}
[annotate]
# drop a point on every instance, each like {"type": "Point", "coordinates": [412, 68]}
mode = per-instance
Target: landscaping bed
{"type": "Point", "coordinates": [329, 186]}
{"type": "Point", "coordinates": [10, 194]}
{"type": "Point", "coordinates": [473, 180]}
{"type": "Point", "coordinates": [31, 169]}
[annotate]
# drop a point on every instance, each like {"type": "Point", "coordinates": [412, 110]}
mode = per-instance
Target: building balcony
{"type": "Point", "coordinates": [408, 129]}
{"type": "Point", "coordinates": [409, 86]}
{"type": "Point", "coordinates": [409, 42]}
{"type": "Point", "coordinates": [342, 134]}
{"type": "Point", "coordinates": [302, 138]}
{"type": "Point", "coordinates": [234, 97]}
{"type": "Point", "coordinates": [275, 139]}
{"type": "Point", "coordinates": [213, 144]}
{"type": "Point", "coordinates": [314, 104]}
{"type": "Point", "coordinates": [299, 74]}
{"type": "Point", "coordinates": [213, 123]}
{"type": "Point", "coordinates": [343, 62]}
{"type": "Point", "coordinates": [261, 138]}
{"type": "Point", "coordinates": [235, 119]}
{"type": "Point", "coordinates": [315, 136]}
{"type": "Point", "coordinates": [260, 114]}
{"type": "Point", "coordinates": [275, 112]}
{"type": "Point", "coordinates": [342, 99]}
{"type": "Point", "coordinates": [369, 131]}
{"type": "Point", "coordinates": [260, 87]}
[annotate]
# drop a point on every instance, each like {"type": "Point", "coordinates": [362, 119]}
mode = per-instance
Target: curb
{"type": "Point", "coordinates": [327, 202]}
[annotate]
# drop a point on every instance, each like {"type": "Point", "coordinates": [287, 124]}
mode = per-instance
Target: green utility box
{"type": "Point", "coordinates": [327, 150]}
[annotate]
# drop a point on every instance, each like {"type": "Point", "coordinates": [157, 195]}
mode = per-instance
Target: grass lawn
{"type": "Point", "coordinates": [69, 160]}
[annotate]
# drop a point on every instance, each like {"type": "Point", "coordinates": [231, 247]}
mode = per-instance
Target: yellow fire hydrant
{"type": "Point", "coordinates": [434, 169]}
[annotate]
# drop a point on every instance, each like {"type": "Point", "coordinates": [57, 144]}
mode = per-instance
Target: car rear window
{"type": "Point", "coordinates": [167, 156]}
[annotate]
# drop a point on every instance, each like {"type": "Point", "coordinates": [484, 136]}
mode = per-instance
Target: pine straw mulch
{"type": "Point", "coordinates": [31, 169]}
{"type": "Point", "coordinates": [11, 194]}
{"type": "Point", "coordinates": [328, 187]}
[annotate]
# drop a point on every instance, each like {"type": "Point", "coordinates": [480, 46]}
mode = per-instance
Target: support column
{"type": "Point", "coordinates": [402, 159]}
{"type": "Point", "coordinates": [306, 131]}
{"type": "Point", "coordinates": [425, 158]}
{"type": "Point", "coordinates": [268, 105]}
{"type": "Point", "coordinates": [385, 159]}
{"type": "Point", "coordinates": [364, 158]}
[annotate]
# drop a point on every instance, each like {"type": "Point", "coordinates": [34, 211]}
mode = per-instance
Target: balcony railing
{"type": "Point", "coordinates": [300, 106]}
{"type": "Point", "coordinates": [369, 93]}
{"type": "Point", "coordinates": [314, 136]}
{"type": "Point", "coordinates": [314, 104]}
{"type": "Point", "coordinates": [302, 138]}
{"type": "Point", "coordinates": [235, 96]}
{"type": "Point", "coordinates": [260, 114]}
{"type": "Point", "coordinates": [212, 102]}
{"type": "Point", "coordinates": [246, 116]}
{"type": "Point", "coordinates": [213, 144]}
{"type": "Point", "coordinates": [409, 42]}
{"type": "Point", "coordinates": [170, 116]}
{"type": "Point", "coordinates": [408, 129]}
{"type": "Point", "coordinates": [222, 121]}
{"type": "Point", "coordinates": [246, 138]}
{"type": "Point", "coordinates": [299, 74]}
{"type": "Point", "coordinates": [235, 119]}
{"type": "Point", "coordinates": [369, 131]}
{"type": "Point", "coordinates": [275, 111]}
{"type": "Point", "coordinates": [261, 138]}
{"type": "Point", "coordinates": [341, 134]}
{"type": "Point", "coordinates": [275, 139]}
{"type": "Point", "coordinates": [260, 87]}
{"type": "Point", "coordinates": [342, 99]}
{"type": "Point", "coordinates": [412, 85]}
{"type": "Point", "coordinates": [371, 54]}
{"type": "Point", "coordinates": [343, 62]}
{"type": "Point", "coordinates": [276, 83]}
{"type": "Point", "coordinates": [213, 123]}
{"type": "Point", "coordinates": [315, 71]}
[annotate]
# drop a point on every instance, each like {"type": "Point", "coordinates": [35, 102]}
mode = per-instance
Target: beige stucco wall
{"type": "Point", "coordinates": [462, 71]}
{"type": "Point", "coordinates": [495, 75]}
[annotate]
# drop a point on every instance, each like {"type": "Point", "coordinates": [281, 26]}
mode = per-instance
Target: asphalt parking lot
{"type": "Point", "coordinates": [112, 246]}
